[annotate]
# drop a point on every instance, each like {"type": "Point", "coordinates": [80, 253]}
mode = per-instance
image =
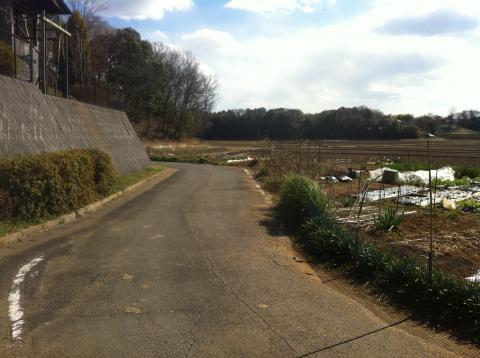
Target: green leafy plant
{"type": "Point", "coordinates": [463, 182]}
{"type": "Point", "coordinates": [389, 220]}
{"type": "Point", "coordinates": [470, 205]}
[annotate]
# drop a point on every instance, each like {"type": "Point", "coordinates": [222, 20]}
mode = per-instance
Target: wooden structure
{"type": "Point", "coordinates": [27, 26]}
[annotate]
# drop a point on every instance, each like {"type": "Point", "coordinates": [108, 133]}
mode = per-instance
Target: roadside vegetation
{"type": "Point", "coordinates": [444, 300]}
{"type": "Point", "coordinates": [176, 159]}
{"type": "Point", "coordinates": [38, 188]}
{"type": "Point", "coordinates": [123, 182]}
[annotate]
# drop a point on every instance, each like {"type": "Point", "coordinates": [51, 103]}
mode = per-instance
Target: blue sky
{"type": "Point", "coordinates": [395, 55]}
{"type": "Point", "coordinates": [214, 14]}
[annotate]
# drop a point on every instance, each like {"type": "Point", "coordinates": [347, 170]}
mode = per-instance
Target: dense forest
{"type": "Point", "coordinates": [166, 95]}
{"type": "Point", "coordinates": [343, 123]}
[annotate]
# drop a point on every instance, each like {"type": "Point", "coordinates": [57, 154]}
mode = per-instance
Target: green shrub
{"type": "Point", "coordinates": [55, 183]}
{"type": "Point", "coordinates": [301, 199]}
{"type": "Point", "coordinates": [104, 172]}
{"type": "Point", "coordinates": [389, 220]}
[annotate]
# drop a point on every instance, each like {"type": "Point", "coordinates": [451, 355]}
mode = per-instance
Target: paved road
{"type": "Point", "coordinates": [185, 268]}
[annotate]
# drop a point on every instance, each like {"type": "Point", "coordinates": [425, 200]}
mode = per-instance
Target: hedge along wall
{"type": "Point", "coordinates": [38, 186]}
{"type": "Point", "coordinates": [33, 123]}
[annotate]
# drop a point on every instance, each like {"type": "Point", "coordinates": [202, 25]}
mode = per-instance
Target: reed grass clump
{"type": "Point", "coordinates": [301, 199]}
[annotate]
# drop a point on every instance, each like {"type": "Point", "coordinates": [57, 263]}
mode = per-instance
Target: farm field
{"type": "Point", "coordinates": [456, 233]}
{"type": "Point", "coordinates": [443, 151]}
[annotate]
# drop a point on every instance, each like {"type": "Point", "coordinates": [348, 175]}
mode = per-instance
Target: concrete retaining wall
{"type": "Point", "coordinates": [31, 122]}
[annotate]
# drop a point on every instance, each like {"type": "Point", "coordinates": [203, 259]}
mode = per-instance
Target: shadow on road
{"type": "Point", "coordinates": [353, 339]}
{"type": "Point", "coordinates": [272, 224]}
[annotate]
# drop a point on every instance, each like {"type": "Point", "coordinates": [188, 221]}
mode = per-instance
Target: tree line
{"type": "Point", "coordinates": [163, 90]}
{"type": "Point", "coordinates": [343, 123]}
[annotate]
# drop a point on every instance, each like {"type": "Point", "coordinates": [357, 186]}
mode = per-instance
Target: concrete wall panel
{"type": "Point", "coordinates": [31, 122]}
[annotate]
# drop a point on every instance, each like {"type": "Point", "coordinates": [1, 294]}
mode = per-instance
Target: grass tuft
{"type": "Point", "coordinates": [389, 220]}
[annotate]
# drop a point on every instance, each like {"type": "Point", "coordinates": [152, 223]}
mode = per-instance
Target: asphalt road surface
{"type": "Point", "coordinates": [185, 267]}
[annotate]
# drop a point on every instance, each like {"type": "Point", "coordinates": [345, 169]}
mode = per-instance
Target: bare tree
{"type": "Point", "coordinates": [88, 8]}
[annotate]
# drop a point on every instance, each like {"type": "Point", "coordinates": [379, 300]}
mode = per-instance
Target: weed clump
{"type": "Point", "coordinates": [301, 199]}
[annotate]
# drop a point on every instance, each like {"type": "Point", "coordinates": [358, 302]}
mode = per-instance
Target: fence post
{"type": "Point", "coordinates": [430, 253]}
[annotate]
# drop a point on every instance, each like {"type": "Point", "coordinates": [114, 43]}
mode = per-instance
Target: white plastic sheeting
{"type": "Point", "coordinates": [389, 193]}
{"type": "Point", "coordinates": [419, 177]}
{"type": "Point", "coordinates": [244, 160]}
{"type": "Point", "coordinates": [454, 194]}
{"type": "Point", "coordinates": [474, 278]}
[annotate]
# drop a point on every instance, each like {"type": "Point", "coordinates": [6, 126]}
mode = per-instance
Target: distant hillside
{"type": "Point", "coordinates": [457, 132]}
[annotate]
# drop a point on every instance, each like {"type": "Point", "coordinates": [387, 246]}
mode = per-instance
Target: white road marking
{"type": "Point", "coordinates": [15, 311]}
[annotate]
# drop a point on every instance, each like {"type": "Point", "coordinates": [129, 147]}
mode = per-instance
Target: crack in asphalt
{"type": "Point", "coordinates": [193, 341]}
{"type": "Point", "coordinates": [246, 305]}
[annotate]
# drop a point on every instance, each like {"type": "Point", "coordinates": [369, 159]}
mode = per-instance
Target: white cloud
{"type": "Point", "coordinates": [348, 63]}
{"type": "Point", "coordinates": [145, 9]}
{"type": "Point", "coordinates": [263, 6]}
{"type": "Point", "coordinates": [158, 36]}
{"type": "Point", "coordinates": [439, 22]}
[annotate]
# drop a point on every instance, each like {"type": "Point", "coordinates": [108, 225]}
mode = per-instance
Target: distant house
{"type": "Point", "coordinates": [21, 27]}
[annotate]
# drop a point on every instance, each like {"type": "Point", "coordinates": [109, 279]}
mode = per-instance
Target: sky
{"type": "Point", "coordinates": [398, 56]}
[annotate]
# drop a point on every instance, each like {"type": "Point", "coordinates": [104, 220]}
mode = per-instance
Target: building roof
{"type": "Point", "coordinates": [52, 7]}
